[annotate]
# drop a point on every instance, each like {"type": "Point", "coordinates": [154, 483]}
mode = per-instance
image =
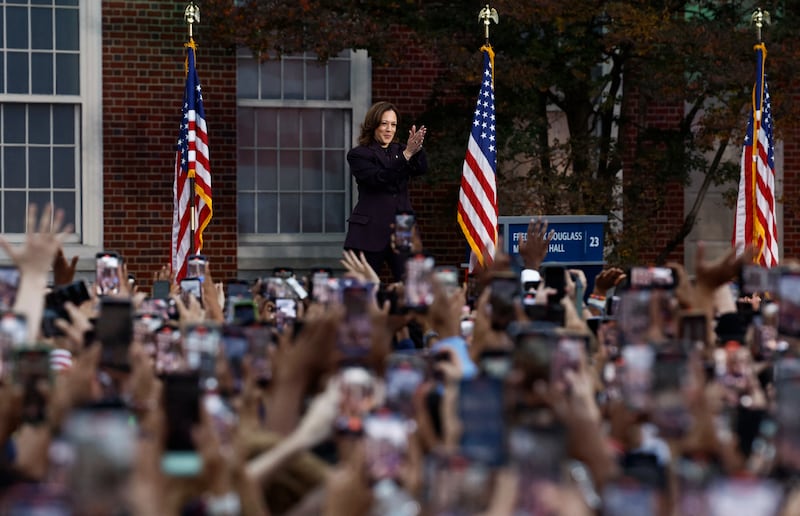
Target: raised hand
{"type": "Point", "coordinates": [534, 248]}
{"type": "Point", "coordinates": [416, 137]}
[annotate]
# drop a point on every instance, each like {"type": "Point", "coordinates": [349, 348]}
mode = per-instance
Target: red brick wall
{"type": "Point", "coordinates": [790, 130]}
{"type": "Point", "coordinates": [408, 85]}
{"type": "Point", "coordinates": [143, 81]}
{"type": "Point", "coordinates": [653, 230]}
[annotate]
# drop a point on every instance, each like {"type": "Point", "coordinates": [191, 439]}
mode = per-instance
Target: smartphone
{"type": "Point", "coordinates": [495, 363]}
{"type": "Point", "coordinates": [403, 229]}
{"type": "Point", "coordinates": [630, 498]}
{"type": "Point", "coordinates": [418, 287]}
{"type": "Point", "coordinates": [694, 330]}
{"type": "Point", "coordinates": [385, 446]}
{"type": "Point", "coordinates": [114, 329]}
{"type": "Point", "coordinates": [107, 264]}
{"type": "Point", "coordinates": [182, 407]}
{"type": "Point", "coordinates": [242, 311]}
{"type": "Point", "coordinates": [170, 357]}
{"type": "Point", "coordinates": [235, 347]}
{"type": "Point", "coordinates": [285, 312]}
{"type": "Point", "coordinates": [566, 356]}
{"type": "Point", "coordinates": [404, 374]}
{"type": "Point", "coordinates": [633, 315]}
{"type": "Point", "coordinates": [161, 289]}
{"type": "Point", "coordinates": [579, 293]}
{"type": "Point", "coordinates": [480, 409]}
{"type": "Point", "coordinates": [533, 353]}
{"type": "Point", "coordinates": [355, 331]}
{"type": "Point", "coordinates": [636, 376]}
{"type": "Point", "coordinates": [789, 304]}
{"type": "Point", "coordinates": [505, 291]}
{"type": "Point", "coordinates": [447, 277]}
{"type": "Point", "coordinates": [31, 371]}
{"type": "Point", "coordinates": [319, 284]}
{"type": "Point", "coordinates": [652, 277]}
{"type": "Point", "coordinates": [191, 287]}
{"type": "Point", "coordinates": [386, 294]}
{"type": "Point", "coordinates": [554, 277]}
{"type": "Point", "coordinates": [670, 376]}
{"type": "Point", "coordinates": [297, 289]}
{"type": "Point", "coordinates": [273, 288]}
{"type": "Point", "coordinates": [260, 339]}
{"type": "Point", "coordinates": [196, 266]}
{"type": "Point", "coordinates": [13, 335]}
{"type": "Point", "coordinates": [9, 283]}
{"type": "Point", "coordinates": [359, 395]}
{"type": "Point", "coordinates": [101, 439]}
{"type": "Point", "coordinates": [745, 496]}
{"type": "Point", "coordinates": [283, 272]}
{"type": "Point", "coordinates": [753, 279]}
{"type": "Point", "coordinates": [238, 289]}
{"type": "Point", "coordinates": [201, 343]}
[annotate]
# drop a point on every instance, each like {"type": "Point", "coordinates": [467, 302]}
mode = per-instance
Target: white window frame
{"type": "Point", "coordinates": [263, 251]}
{"type": "Point", "coordinates": [89, 187]}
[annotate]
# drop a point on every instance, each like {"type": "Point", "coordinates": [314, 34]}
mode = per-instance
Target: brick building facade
{"type": "Point", "coordinates": [125, 167]}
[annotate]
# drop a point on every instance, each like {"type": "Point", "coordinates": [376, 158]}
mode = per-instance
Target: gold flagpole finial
{"type": "Point", "coordinates": [760, 18]}
{"type": "Point", "coordinates": [191, 15]}
{"type": "Point", "coordinates": [488, 15]}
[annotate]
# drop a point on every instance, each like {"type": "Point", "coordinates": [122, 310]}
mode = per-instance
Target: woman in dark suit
{"type": "Point", "coordinates": [382, 167]}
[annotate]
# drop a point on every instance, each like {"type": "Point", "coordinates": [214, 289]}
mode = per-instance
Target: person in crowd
{"type": "Point", "coordinates": [382, 168]}
{"type": "Point", "coordinates": [562, 411]}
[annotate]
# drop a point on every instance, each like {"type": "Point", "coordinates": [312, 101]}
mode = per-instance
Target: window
{"type": "Point", "coordinates": [294, 128]}
{"type": "Point", "coordinates": [50, 143]}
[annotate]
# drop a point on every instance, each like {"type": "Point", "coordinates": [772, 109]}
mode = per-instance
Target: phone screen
{"type": "Point", "coordinates": [182, 407]}
{"type": "Point", "coordinates": [554, 277]}
{"type": "Point", "coordinates": [566, 357]}
{"type": "Point", "coordinates": [9, 283]}
{"type": "Point", "coordinates": [13, 334]}
{"type": "Point", "coordinates": [191, 287]}
{"type": "Point", "coordinates": [359, 395]}
{"type": "Point", "coordinates": [107, 273]}
{"type": "Point", "coordinates": [161, 289]}
{"type": "Point", "coordinates": [235, 346]}
{"type": "Point", "coordinates": [480, 408]}
{"type": "Point", "coordinates": [114, 329]}
{"type": "Point", "coordinates": [633, 316]}
{"type": "Point", "coordinates": [694, 330]}
{"type": "Point", "coordinates": [238, 289]}
{"type": "Point", "coordinates": [285, 312]}
{"type": "Point", "coordinates": [418, 288]}
{"type": "Point", "coordinates": [170, 357]}
{"type": "Point", "coordinates": [196, 266]}
{"type": "Point", "coordinates": [355, 331]}
{"type": "Point", "coordinates": [260, 339]}
{"type": "Point", "coordinates": [403, 229]}
{"type": "Point", "coordinates": [319, 286]}
{"type": "Point", "coordinates": [32, 373]}
{"type": "Point", "coordinates": [102, 440]}
{"type": "Point", "coordinates": [201, 344]}
{"type": "Point", "coordinates": [789, 305]}
{"type": "Point", "coordinates": [385, 445]}
{"type": "Point", "coordinates": [404, 374]}
{"type": "Point", "coordinates": [652, 277]}
{"type": "Point", "coordinates": [504, 292]}
{"type": "Point", "coordinates": [637, 376]}
{"type": "Point", "coordinates": [670, 411]}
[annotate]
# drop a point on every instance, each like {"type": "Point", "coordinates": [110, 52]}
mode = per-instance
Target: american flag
{"type": "Point", "coordinates": [755, 221]}
{"type": "Point", "coordinates": [191, 165]}
{"type": "Point", "coordinates": [477, 199]}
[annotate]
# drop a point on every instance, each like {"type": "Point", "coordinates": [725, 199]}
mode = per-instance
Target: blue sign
{"type": "Point", "coordinates": [575, 239]}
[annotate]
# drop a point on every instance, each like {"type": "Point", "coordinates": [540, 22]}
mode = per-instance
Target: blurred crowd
{"type": "Point", "coordinates": [521, 389]}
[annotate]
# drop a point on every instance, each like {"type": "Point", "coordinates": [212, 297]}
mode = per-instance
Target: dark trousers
{"type": "Point", "coordinates": [395, 261]}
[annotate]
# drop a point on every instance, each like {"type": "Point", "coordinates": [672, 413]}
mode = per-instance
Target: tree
{"type": "Point", "coordinates": [595, 68]}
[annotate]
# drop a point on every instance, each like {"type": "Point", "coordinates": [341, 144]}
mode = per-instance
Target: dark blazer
{"type": "Point", "coordinates": [382, 176]}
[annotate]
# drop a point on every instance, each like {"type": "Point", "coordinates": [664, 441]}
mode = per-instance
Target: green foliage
{"type": "Point", "coordinates": [571, 78]}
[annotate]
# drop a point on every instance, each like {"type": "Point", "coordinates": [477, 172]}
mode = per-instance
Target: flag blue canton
{"type": "Point", "coordinates": [483, 121]}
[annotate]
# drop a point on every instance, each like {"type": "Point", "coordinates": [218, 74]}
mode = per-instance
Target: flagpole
{"type": "Point", "coordinates": [760, 18]}
{"type": "Point", "coordinates": [192, 15]}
